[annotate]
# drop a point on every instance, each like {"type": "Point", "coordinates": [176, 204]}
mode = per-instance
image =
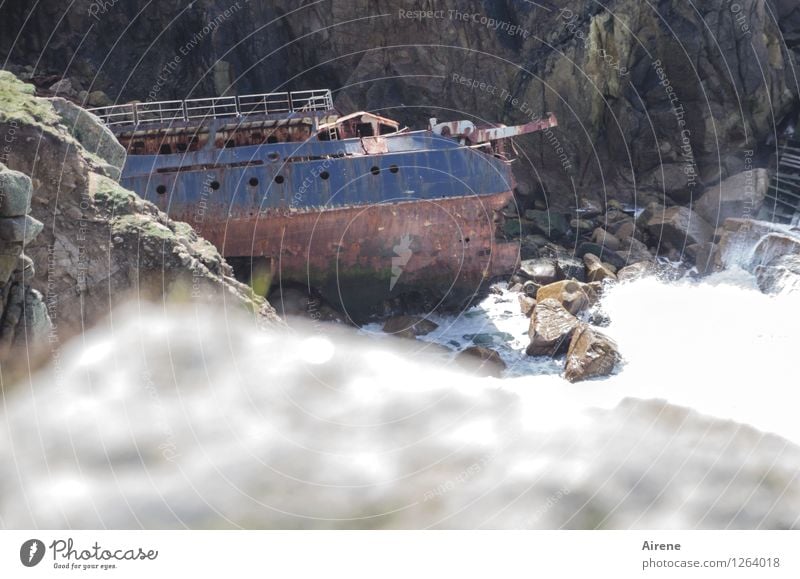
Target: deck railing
{"type": "Point", "coordinates": [215, 107]}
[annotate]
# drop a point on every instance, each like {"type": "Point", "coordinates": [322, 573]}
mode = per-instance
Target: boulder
{"type": "Point", "coordinates": [571, 266]}
{"type": "Point", "coordinates": [781, 274]}
{"type": "Point", "coordinates": [773, 245]}
{"type": "Point", "coordinates": [633, 251]}
{"type": "Point", "coordinates": [548, 223]}
{"type": "Point", "coordinates": [705, 257]}
{"type": "Point", "coordinates": [737, 196]}
{"type": "Point", "coordinates": [604, 253]}
{"type": "Point", "coordinates": [626, 229]}
{"type": "Point", "coordinates": [15, 193]}
{"type": "Point", "coordinates": [603, 238]}
{"type": "Point", "coordinates": [409, 326]}
{"type": "Point", "coordinates": [582, 226]}
{"type": "Point", "coordinates": [9, 258]}
{"type": "Point", "coordinates": [481, 361]}
{"type": "Point", "coordinates": [528, 248]}
{"type": "Point", "coordinates": [526, 305]}
{"type": "Point", "coordinates": [574, 296]}
{"type": "Point", "coordinates": [740, 236]}
{"type": "Point", "coordinates": [677, 227]}
{"type": "Point", "coordinates": [597, 270]}
{"type": "Point", "coordinates": [550, 329]}
{"type": "Point", "coordinates": [542, 270]}
{"type": "Point", "coordinates": [512, 228]}
{"type": "Point", "coordinates": [591, 354]}
{"type": "Point", "coordinates": [636, 271]}
{"type": "Point", "coordinates": [20, 229]}
{"type": "Point", "coordinates": [92, 134]}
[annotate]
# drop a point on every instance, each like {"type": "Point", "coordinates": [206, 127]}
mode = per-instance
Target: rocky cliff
{"type": "Point", "coordinates": [654, 100]}
{"type": "Point", "coordinates": [89, 244]}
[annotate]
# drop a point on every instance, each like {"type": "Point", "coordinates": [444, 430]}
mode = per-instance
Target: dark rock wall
{"type": "Point", "coordinates": [729, 65]}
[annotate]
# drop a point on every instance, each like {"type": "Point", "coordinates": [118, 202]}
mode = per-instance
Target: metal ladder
{"type": "Point", "coordinates": [782, 203]}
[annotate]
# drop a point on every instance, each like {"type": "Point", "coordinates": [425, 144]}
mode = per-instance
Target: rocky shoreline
{"type": "Point", "coordinates": [74, 244]}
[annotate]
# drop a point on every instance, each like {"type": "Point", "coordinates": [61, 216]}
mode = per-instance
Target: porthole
{"type": "Point", "coordinates": [214, 185]}
{"type": "Point", "coordinates": [279, 179]}
{"type": "Point", "coordinates": [375, 171]}
{"type": "Point", "coordinates": [253, 182]}
{"type": "Point", "coordinates": [161, 189]}
{"type": "Point", "coordinates": [394, 169]}
{"type": "Point", "coordinates": [325, 175]}
{"type": "Point", "coordinates": [272, 139]}
{"type": "Point", "coordinates": [273, 156]}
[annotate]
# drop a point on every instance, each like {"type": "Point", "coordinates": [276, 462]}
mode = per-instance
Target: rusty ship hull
{"type": "Point", "coordinates": [352, 207]}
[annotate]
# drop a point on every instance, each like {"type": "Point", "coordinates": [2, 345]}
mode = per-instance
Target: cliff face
{"type": "Point", "coordinates": [658, 98]}
{"type": "Point", "coordinates": [93, 243]}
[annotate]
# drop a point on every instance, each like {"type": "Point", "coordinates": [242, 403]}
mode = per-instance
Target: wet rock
{"type": "Point", "coordinates": [550, 329]}
{"type": "Point", "coordinates": [781, 274]}
{"type": "Point", "coordinates": [705, 257]}
{"type": "Point", "coordinates": [20, 229]}
{"type": "Point", "coordinates": [526, 305]}
{"type": "Point", "coordinates": [597, 270]}
{"type": "Point", "coordinates": [636, 271]}
{"type": "Point", "coordinates": [530, 288]}
{"type": "Point", "coordinates": [572, 266]}
{"type": "Point", "coordinates": [740, 236]}
{"type": "Point", "coordinates": [573, 296]}
{"type": "Point", "coordinates": [15, 193]}
{"type": "Point", "coordinates": [542, 270]}
{"type": "Point", "coordinates": [604, 253]}
{"type": "Point", "coordinates": [481, 361]}
{"type": "Point", "coordinates": [677, 227]}
{"type": "Point", "coordinates": [548, 223]}
{"type": "Point", "coordinates": [98, 98]}
{"type": "Point", "coordinates": [741, 194]}
{"type": "Point", "coordinates": [409, 326]}
{"type": "Point", "coordinates": [773, 245]}
{"type": "Point", "coordinates": [603, 238]}
{"type": "Point", "coordinates": [591, 354]}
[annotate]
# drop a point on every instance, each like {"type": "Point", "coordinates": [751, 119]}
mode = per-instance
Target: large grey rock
{"type": "Point", "coordinates": [550, 329]}
{"type": "Point", "coordinates": [774, 245]}
{"type": "Point", "coordinates": [781, 274]}
{"type": "Point", "coordinates": [91, 133]}
{"type": "Point", "coordinates": [677, 227]}
{"type": "Point", "coordinates": [20, 229]}
{"type": "Point", "coordinates": [738, 196]}
{"type": "Point", "coordinates": [551, 224]}
{"type": "Point", "coordinates": [542, 270]}
{"type": "Point", "coordinates": [15, 193]}
{"type": "Point", "coordinates": [9, 257]}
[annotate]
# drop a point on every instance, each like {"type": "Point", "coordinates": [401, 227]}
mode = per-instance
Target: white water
{"type": "Point", "coordinates": [198, 419]}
